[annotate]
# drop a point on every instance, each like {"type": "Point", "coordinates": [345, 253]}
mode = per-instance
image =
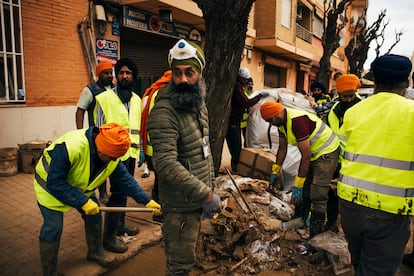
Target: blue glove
{"type": "Point", "coordinates": [141, 158]}
{"type": "Point", "coordinates": [274, 180]}
{"type": "Point", "coordinates": [263, 94]}
{"type": "Point", "coordinates": [297, 195]}
{"type": "Point", "coordinates": [298, 190]}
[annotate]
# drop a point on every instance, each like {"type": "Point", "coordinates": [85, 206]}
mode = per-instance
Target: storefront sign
{"type": "Point", "coordinates": [106, 50]}
{"type": "Point", "coordinates": [145, 21]}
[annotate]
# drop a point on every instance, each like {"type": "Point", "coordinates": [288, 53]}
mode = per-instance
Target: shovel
{"type": "Point", "coordinates": [125, 209]}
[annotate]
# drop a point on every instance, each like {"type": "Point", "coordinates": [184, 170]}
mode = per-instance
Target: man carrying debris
{"type": "Point", "coordinates": [377, 176]}
{"type": "Point", "coordinates": [319, 148]}
{"type": "Point", "coordinates": [67, 175]}
{"type": "Point", "coordinates": [346, 87]}
{"type": "Point", "coordinates": [178, 127]}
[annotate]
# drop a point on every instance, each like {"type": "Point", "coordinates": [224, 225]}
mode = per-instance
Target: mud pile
{"type": "Point", "coordinates": [251, 235]}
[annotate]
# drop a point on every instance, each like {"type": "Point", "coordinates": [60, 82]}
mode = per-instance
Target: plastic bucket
{"type": "Point", "coordinates": [31, 152]}
{"type": "Point", "coordinates": [8, 161]}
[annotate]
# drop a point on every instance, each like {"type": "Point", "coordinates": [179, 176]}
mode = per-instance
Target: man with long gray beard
{"type": "Point", "coordinates": [178, 127]}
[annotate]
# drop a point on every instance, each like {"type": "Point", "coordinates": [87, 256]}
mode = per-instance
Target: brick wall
{"type": "Point", "coordinates": [55, 68]}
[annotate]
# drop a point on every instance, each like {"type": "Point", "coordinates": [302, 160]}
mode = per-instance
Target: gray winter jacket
{"type": "Point", "coordinates": [185, 175]}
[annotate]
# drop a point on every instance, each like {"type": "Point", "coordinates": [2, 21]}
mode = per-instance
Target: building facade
{"type": "Point", "coordinates": [49, 51]}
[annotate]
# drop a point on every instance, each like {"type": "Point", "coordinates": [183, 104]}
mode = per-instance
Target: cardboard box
{"type": "Point", "coordinates": [256, 163]}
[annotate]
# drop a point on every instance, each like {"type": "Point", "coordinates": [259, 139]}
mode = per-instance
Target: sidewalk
{"type": "Point", "coordinates": [21, 220]}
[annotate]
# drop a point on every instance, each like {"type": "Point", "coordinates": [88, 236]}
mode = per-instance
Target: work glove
{"type": "Point", "coordinates": [154, 205]}
{"type": "Point", "coordinates": [211, 204]}
{"type": "Point", "coordinates": [141, 158]}
{"type": "Point", "coordinates": [274, 177]}
{"type": "Point", "coordinates": [298, 190]}
{"type": "Point", "coordinates": [263, 94]}
{"type": "Point", "coordinates": [90, 207]}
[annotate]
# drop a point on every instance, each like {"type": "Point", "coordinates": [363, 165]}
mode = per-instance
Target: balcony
{"type": "Point", "coordinates": [304, 34]}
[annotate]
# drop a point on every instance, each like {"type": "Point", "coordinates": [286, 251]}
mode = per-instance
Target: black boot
{"type": "Point", "coordinates": [48, 257]}
{"type": "Point", "coordinates": [317, 221]}
{"type": "Point", "coordinates": [123, 228]}
{"type": "Point", "coordinates": [110, 241]}
{"type": "Point", "coordinates": [94, 240]}
{"type": "Point", "coordinates": [409, 260]}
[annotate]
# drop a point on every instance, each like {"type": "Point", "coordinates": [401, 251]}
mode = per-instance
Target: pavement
{"type": "Point", "coordinates": [20, 222]}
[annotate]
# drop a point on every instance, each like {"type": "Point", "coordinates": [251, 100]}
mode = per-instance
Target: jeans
{"type": "Point", "coordinates": [51, 230]}
{"type": "Point", "coordinates": [376, 239]}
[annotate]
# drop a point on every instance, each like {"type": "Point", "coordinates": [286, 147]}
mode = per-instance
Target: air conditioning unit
{"type": "Point", "coordinates": [299, 13]}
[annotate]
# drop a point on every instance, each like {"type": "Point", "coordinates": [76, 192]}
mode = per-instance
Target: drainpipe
{"type": "Point", "coordinates": [86, 53]}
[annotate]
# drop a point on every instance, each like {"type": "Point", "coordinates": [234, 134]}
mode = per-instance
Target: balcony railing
{"type": "Point", "coordinates": [302, 33]}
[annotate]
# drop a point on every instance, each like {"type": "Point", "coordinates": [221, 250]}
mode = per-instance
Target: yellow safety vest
{"type": "Point", "coordinates": [243, 123]}
{"type": "Point", "coordinates": [77, 145]}
{"type": "Point", "coordinates": [322, 139]}
{"type": "Point", "coordinates": [378, 166]}
{"type": "Point", "coordinates": [115, 111]}
{"type": "Point", "coordinates": [149, 150]}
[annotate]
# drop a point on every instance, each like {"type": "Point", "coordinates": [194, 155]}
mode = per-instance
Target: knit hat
{"type": "Point", "coordinates": [244, 73]}
{"type": "Point", "coordinates": [347, 82]}
{"type": "Point", "coordinates": [319, 85]}
{"type": "Point", "coordinates": [102, 66]}
{"type": "Point", "coordinates": [187, 53]}
{"type": "Point", "coordinates": [128, 63]}
{"type": "Point", "coordinates": [391, 69]}
{"type": "Point", "coordinates": [270, 109]}
{"type": "Point", "coordinates": [112, 140]}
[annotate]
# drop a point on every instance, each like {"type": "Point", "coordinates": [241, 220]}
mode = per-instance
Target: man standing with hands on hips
{"type": "Point", "coordinates": [178, 127]}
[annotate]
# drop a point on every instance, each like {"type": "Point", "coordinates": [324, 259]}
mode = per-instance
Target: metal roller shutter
{"type": "Point", "coordinates": [150, 53]}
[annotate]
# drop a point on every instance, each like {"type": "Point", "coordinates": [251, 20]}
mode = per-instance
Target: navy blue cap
{"type": "Point", "coordinates": [391, 69]}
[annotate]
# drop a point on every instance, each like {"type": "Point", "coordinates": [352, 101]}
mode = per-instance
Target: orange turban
{"type": "Point", "coordinates": [347, 82]}
{"type": "Point", "coordinates": [270, 109]}
{"type": "Point", "coordinates": [112, 140]}
{"type": "Point", "coordinates": [103, 65]}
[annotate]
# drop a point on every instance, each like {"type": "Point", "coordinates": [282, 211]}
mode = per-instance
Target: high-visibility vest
{"type": "Point", "coordinates": [115, 112]}
{"type": "Point", "coordinates": [148, 149]}
{"type": "Point", "coordinates": [322, 139]}
{"type": "Point", "coordinates": [77, 145]}
{"type": "Point", "coordinates": [243, 123]}
{"type": "Point", "coordinates": [378, 166]}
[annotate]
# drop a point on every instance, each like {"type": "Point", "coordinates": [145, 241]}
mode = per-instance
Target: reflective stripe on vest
{"type": "Point", "coordinates": [115, 111]}
{"type": "Point", "coordinates": [322, 139]}
{"type": "Point", "coordinates": [149, 146]}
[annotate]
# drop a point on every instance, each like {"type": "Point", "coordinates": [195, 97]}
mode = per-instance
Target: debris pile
{"type": "Point", "coordinates": [256, 233]}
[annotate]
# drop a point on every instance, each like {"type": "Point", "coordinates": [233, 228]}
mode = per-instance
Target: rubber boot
{"type": "Point", "coordinates": [317, 221]}
{"type": "Point", "coordinates": [123, 228]}
{"type": "Point", "coordinates": [332, 211]}
{"type": "Point", "coordinates": [93, 234]}
{"type": "Point", "coordinates": [48, 257]}
{"type": "Point", "coordinates": [409, 260]}
{"type": "Point", "coordinates": [110, 240]}
{"type": "Point", "coordinates": [103, 195]}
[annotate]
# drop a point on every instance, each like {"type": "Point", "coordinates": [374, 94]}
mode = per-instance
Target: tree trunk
{"type": "Point", "coordinates": [226, 27]}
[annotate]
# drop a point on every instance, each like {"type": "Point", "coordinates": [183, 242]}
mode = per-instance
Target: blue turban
{"type": "Point", "coordinates": [391, 69]}
{"type": "Point", "coordinates": [128, 63]}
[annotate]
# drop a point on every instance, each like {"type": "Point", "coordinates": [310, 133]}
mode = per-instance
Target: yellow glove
{"type": "Point", "coordinates": [299, 181]}
{"type": "Point", "coordinates": [154, 205]}
{"type": "Point", "coordinates": [90, 207]}
{"type": "Point", "coordinates": [276, 169]}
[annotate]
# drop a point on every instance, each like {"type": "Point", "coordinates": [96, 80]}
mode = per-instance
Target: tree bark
{"type": "Point", "coordinates": [226, 27]}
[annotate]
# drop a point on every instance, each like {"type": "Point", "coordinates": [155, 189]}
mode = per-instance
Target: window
{"type": "Point", "coordinates": [287, 13]}
{"type": "Point", "coordinates": [12, 88]}
{"type": "Point", "coordinates": [318, 27]}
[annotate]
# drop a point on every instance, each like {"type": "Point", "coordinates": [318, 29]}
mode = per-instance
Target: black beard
{"type": "Point", "coordinates": [186, 97]}
{"type": "Point", "coordinates": [124, 94]}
